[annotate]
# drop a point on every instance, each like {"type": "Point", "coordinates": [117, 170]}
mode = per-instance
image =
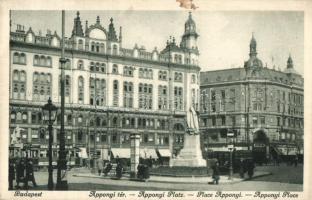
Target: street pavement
{"type": "Point", "coordinates": [280, 180]}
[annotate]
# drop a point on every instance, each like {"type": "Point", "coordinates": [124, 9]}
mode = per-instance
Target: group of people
{"type": "Point", "coordinates": [21, 170]}
{"type": "Point", "coordinates": [105, 168]}
{"type": "Point", "coordinates": [247, 165]}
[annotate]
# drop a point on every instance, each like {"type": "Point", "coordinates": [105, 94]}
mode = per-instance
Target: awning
{"type": "Point", "coordinates": [164, 152]}
{"type": "Point", "coordinates": [147, 153]}
{"type": "Point", "coordinates": [83, 153]}
{"type": "Point", "coordinates": [121, 152]}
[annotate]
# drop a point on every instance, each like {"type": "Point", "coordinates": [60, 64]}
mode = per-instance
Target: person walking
{"type": "Point", "coordinates": [30, 173]}
{"type": "Point", "coordinates": [11, 173]}
{"type": "Point", "coordinates": [241, 168]}
{"type": "Point", "coordinates": [20, 171]}
{"type": "Point", "coordinates": [216, 173]}
{"type": "Point", "coordinates": [119, 170]}
{"type": "Point", "coordinates": [100, 165]}
{"type": "Point", "coordinates": [296, 160]}
{"type": "Point", "coordinates": [250, 168]}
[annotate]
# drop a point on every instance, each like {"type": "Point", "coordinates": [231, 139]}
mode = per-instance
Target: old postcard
{"type": "Point", "coordinates": [176, 99]}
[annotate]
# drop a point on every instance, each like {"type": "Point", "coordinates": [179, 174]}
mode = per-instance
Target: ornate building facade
{"type": "Point", "coordinates": [253, 102]}
{"type": "Point", "coordinates": [110, 91]}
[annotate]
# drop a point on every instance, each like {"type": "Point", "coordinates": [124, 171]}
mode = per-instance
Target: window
{"type": "Point", "coordinates": [80, 44]}
{"type": "Point", "coordinates": [162, 98]}
{"type": "Point", "coordinates": [19, 84]}
{"type": "Point", "coordinates": [145, 73]}
{"type": "Point", "coordinates": [97, 92]}
{"type": "Point", "coordinates": [115, 93]}
{"type": "Point", "coordinates": [262, 120]}
{"type": "Point", "coordinates": [19, 58]}
{"type": "Point", "coordinates": [128, 71]}
{"type": "Point", "coordinates": [255, 121]}
{"type": "Point", "coordinates": [213, 121]}
{"type": "Point", "coordinates": [178, 77]}
{"type": "Point", "coordinates": [193, 78]}
{"type": "Point", "coordinates": [145, 96]}
{"type": "Point", "coordinates": [80, 64]}
{"type": "Point", "coordinates": [128, 94]}
{"type": "Point", "coordinates": [115, 50]}
{"type": "Point", "coordinates": [115, 69]}
{"type": "Point", "coordinates": [223, 120]}
{"type": "Point", "coordinates": [80, 90]}
{"type": "Point", "coordinates": [178, 98]}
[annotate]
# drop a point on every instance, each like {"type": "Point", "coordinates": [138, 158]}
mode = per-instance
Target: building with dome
{"type": "Point", "coordinates": [254, 102]}
{"type": "Point", "coordinates": [110, 91]}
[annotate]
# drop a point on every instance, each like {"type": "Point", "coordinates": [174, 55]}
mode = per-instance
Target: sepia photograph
{"type": "Point", "coordinates": [150, 103]}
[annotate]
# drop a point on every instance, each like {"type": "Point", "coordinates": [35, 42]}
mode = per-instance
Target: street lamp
{"type": "Point", "coordinates": [49, 115]}
{"type": "Point", "coordinates": [230, 136]}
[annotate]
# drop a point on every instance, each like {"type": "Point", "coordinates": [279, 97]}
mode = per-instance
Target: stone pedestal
{"type": "Point", "coordinates": [190, 155]}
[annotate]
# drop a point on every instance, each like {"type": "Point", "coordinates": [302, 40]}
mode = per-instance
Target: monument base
{"type": "Point", "coordinates": [190, 155]}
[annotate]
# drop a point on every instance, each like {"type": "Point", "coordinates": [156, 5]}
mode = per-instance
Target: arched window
{"type": "Point", "coordinates": [102, 48]}
{"type": "Point", "coordinates": [15, 75]}
{"type": "Point", "coordinates": [80, 44]}
{"type": "Point", "coordinates": [68, 64]}
{"type": "Point", "coordinates": [141, 73]}
{"type": "Point", "coordinates": [49, 61]}
{"type": "Point", "coordinates": [23, 76]}
{"type": "Point", "coordinates": [92, 46]}
{"type": "Point", "coordinates": [16, 58]}
{"type": "Point", "coordinates": [80, 90]}
{"type": "Point", "coordinates": [115, 69]}
{"type": "Point", "coordinates": [115, 93]}
{"type": "Point", "coordinates": [97, 47]}
{"type": "Point", "coordinates": [36, 60]}
{"type": "Point", "coordinates": [128, 94]}
{"type": "Point", "coordinates": [193, 78]}
{"type": "Point", "coordinates": [115, 49]}
{"type": "Point", "coordinates": [97, 67]}
{"type": "Point", "coordinates": [42, 61]}
{"type": "Point", "coordinates": [22, 58]}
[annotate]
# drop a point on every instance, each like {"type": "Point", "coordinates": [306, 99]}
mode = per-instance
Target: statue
{"type": "Point", "coordinates": [16, 135]}
{"type": "Point", "coordinates": [191, 154]}
{"type": "Point", "coordinates": [192, 122]}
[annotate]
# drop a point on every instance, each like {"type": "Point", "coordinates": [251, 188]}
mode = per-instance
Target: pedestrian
{"type": "Point", "coordinates": [20, 171]}
{"type": "Point", "coordinates": [107, 168]}
{"type": "Point", "coordinates": [30, 174]}
{"type": "Point", "coordinates": [119, 170]}
{"type": "Point", "coordinates": [216, 173]}
{"type": "Point", "coordinates": [241, 168]}
{"type": "Point", "coordinates": [296, 160]}
{"type": "Point", "coordinates": [11, 173]}
{"type": "Point", "coordinates": [250, 168]}
{"type": "Point", "coordinates": [100, 165]}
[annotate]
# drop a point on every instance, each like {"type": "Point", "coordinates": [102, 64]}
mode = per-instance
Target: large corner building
{"type": "Point", "coordinates": [110, 91]}
{"type": "Point", "coordinates": [261, 105]}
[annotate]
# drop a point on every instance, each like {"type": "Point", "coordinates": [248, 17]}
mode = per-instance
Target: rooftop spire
{"type": "Point", "coordinates": [253, 46]}
{"type": "Point", "coordinates": [77, 30]}
{"type": "Point", "coordinates": [290, 62]}
{"type": "Point", "coordinates": [98, 19]}
{"type": "Point", "coordinates": [111, 31]}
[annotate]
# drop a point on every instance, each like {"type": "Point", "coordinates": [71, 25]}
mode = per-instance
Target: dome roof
{"type": "Point", "coordinates": [253, 62]}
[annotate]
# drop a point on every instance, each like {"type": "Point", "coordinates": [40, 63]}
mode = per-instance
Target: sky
{"type": "Point", "coordinates": [224, 35]}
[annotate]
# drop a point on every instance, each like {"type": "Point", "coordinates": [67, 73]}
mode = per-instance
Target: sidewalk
{"type": "Point", "coordinates": [167, 179]}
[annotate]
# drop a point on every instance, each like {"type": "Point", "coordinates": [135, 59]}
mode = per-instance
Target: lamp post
{"type": "Point", "coordinates": [61, 183]}
{"type": "Point", "coordinates": [49, 115]}
{"type": "Point", "coordinates": [230, 135]}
